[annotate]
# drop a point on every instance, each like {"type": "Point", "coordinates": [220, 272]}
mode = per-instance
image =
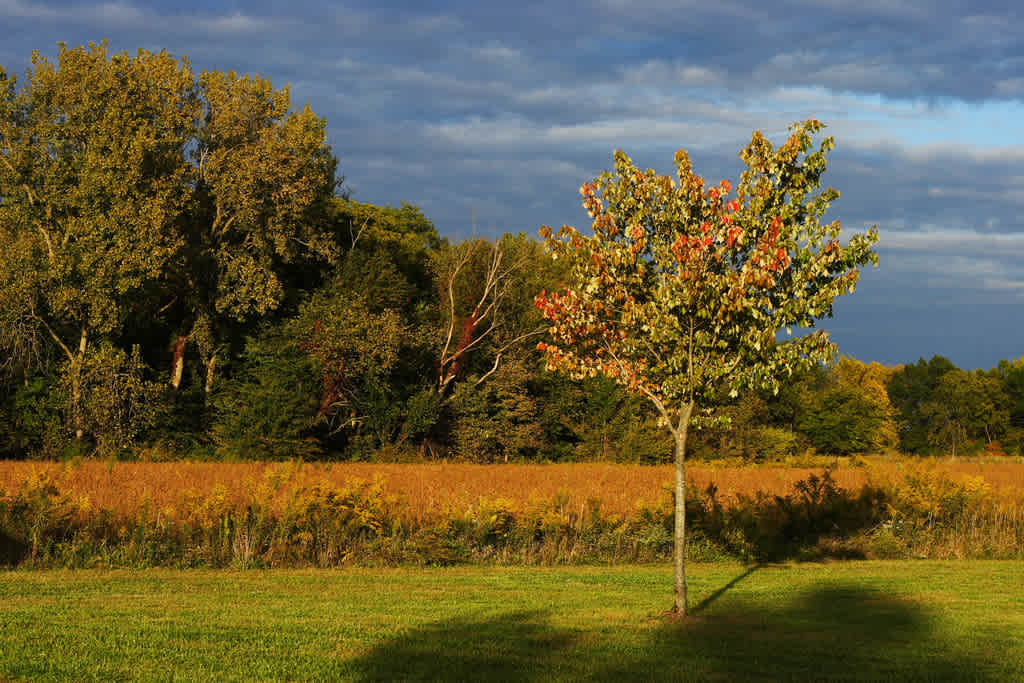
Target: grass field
{"type": "Point", "coordinates": [919, 620]}
{"type": "Point", "coordinates": [430, 488]}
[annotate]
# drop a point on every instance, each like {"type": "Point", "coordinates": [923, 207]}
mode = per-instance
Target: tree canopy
{"type": "Point", "coordinates": [135, 192]}
{"type": "Point", "coordinates": [183, 273]}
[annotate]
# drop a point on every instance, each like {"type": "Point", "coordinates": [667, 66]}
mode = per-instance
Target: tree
{"type": "Point", "coordinates": [497, 420]}
{"type": "Point", "coordinates": [869, 381]}
{"type": "Point", "coordinates": [370, 328]}
{"type": "Point", "coordinates": [965, 405]}
{"type": "Point", "coordinates": [910, 388]}
{"type": "Point", "coordinates": [680, 292]}
{"type": "Point", "coordinates": [267, 408]}
{"type": "Point", "coordinates": [139, 201]}
{"type": "Point", "coordinates": [92, 186]}
{"type": "Point", "coordinates": [849, 412]}
{"type": "Point", "coordinates": [1011, 378]}
{"type": "Point", "coordinates": [262, 178]}
{"type": "Point", "coordinates": [487, 316]}
{"type": "Point", "coordinates": [842, 421]}
{"type": "Point", "coordinates": [485, 313]}
{"type": "Point", "coordinates": [350, 368]}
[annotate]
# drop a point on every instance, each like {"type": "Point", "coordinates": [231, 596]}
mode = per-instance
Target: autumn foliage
{"type": "Point", "coordinates": [682, 287]}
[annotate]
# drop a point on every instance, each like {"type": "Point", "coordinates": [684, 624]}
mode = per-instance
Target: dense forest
{"type": "Point", "coordinates": [183, 274]}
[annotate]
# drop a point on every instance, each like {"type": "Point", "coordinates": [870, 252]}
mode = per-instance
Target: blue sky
{"type": "Point", "coordinates": [503, 109]}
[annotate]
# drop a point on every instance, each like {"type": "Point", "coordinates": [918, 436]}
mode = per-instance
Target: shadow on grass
{"type": "Point", "coordinates": [12, 550]}
{"type": "Point", "coordinates": [509, 647]}
{"type": "Point", "coordinates": [837, 632]}
{"type": "Point", "coordinates": [706, 602]}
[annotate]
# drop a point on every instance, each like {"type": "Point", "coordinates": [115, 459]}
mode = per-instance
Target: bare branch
{"type": "Point", "coordinates": [503, 349]}
{"type": "Point", "coordinates": [451, 322]}
{"type": "Point", "coordinates": [169, 304]}
{"type": "Point", "coordinates": [359, 233]}
{"type": "Point", "coordinates": [486, 318]}
{"type": "Point", "coordinates": [60, 342]}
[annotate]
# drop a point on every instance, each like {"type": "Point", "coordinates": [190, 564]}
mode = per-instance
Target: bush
{"type": "Point", "coordinates": [268, 409]}
{"type": "Point", "coordinates": [776, 443]}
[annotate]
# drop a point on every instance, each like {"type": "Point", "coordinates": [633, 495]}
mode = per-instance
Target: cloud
{"type": "Point", "coordinates": [234, 24]}
{"type": "Point", "coordinates": [1006, 244]}
{"type": "Point", "coordinates": [502, 110]}
{"type": "Point", "coordinates": [16, 9]}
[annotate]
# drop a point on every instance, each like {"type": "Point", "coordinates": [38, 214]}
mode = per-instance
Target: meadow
{"type": "Point", "coordinates": [430, 488]}
{"type": "Point", "coordinates": [292, 514]}
{"type": "Point", "coordinates": [887, 620]}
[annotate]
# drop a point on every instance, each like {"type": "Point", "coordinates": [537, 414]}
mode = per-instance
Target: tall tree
{"type": "Point", "coordinates": [139, 199]}
{"type": "Point", "coordinates": [682, 288]}
{"type": "Point", "coordinates": [92, 185]}
{"type": "Point", "coordinates": [262, 177]}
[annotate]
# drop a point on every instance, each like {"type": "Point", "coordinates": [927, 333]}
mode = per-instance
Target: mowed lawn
{"type": "Point", "coordinates": [918, 620]}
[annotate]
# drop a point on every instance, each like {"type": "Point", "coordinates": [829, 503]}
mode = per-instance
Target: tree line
{"type": "Point", "coordinates": [184, 274]}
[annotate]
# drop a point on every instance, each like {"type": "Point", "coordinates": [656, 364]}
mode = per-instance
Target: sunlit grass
{"type": "Point", "coordinates": [429, 488]}
{"type": "Point", "coordinates": [866, 620]}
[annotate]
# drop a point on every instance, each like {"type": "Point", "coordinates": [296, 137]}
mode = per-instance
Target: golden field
{"type": "Point", "coordinates": [428, 489]}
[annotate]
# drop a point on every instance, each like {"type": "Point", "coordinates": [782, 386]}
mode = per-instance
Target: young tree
{"type": "Point", "coordinates": [682, 288]}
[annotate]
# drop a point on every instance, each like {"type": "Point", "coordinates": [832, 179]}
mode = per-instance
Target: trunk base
{"type": "Point", "coordinates": [677, 617]}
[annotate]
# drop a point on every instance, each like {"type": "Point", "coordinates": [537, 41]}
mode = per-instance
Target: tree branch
{"type": "Point", "coordinates": [503, 349]}
{"type": "Point", "coordinates": [359, 233]}
{"type": "Point", "coordinates": [57, 339]}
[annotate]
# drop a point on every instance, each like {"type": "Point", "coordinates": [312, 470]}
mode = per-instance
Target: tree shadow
{"type": "Point", "coordinates": [837, 632]}
{"type": "Point", "coordinates": [12, 550]}
{"type": "Point", "coordinates": [507, 647]}
{"type": "Point", "coordinates": [706, 602]}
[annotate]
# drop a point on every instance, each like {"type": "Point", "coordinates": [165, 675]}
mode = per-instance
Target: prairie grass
{"type": "Point", "coordinates": [428, 489]}
{"type": "Point", "coordinates": [187, 514]}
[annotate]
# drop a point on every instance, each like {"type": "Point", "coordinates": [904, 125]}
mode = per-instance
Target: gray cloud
{"type": "Point", "coordinates": [502, 110]}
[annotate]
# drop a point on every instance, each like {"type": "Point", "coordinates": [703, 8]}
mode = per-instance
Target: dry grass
{"type": "Point", "coordinates": [433, 488]}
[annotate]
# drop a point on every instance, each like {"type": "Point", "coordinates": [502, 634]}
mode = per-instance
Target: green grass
{"type": "Point", "coordinates": [861, 620]}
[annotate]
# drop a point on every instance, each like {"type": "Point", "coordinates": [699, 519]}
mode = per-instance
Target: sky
{"type": "Point", "coordinates": [490, 115]}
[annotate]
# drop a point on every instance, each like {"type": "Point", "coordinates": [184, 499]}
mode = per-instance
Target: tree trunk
{"type": "Point", "coordinates": [178, 363]}
{"type": "Point", "coordinates": [210, 365]}
{"type": "Point", "coordinates": [680, 607]}
{"type": "Point", "coordinates": [76, 386]}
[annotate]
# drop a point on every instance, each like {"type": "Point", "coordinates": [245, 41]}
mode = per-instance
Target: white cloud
{"type": "Point", "coordinates": [497, 53]}
{"type": "Point", "coordinates": [946, 240]}
{"type": "Point", "coordinates": [1010, 87]}
{"type": "Point", "coordinates": [119, 15]}
{"type": "Point", "coordinates": [958, 260]}
{"type": "Point", "coordinates": [670, 74]}
{"type": "Point", "coordinates": [27, 10]}
{"type": "Point", "coordinates": [236, 23]}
